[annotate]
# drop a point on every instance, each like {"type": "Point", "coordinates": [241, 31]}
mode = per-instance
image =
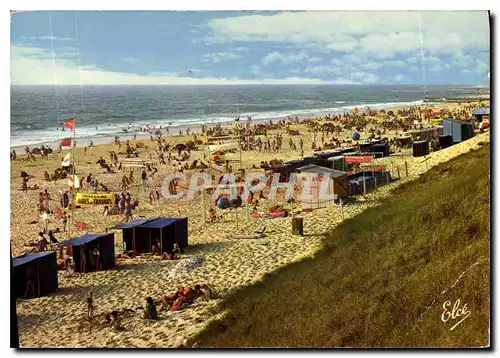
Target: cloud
{"type": "Point", "coordinates": [323, 70]}
{"type": "Point", "coordinates": [45, 38]}
{"type": "Point", "coordinates": [371, 65]}
{"type": "Point", "coordinates": [398, 78]}
{"type": "Point", "coordinates": [316, 59]}
{"type": "Point", "coordinates": [288, 57]}
{"type": "Point", "coordinates": [482, 68]}
{"type": "Point", "coordinates": [271, 57]}
{"type": "Point", "coordinates": [337, 62]}
{"type": "Point", "coordinates": [220, 56]}
{"type": "Point", "coordinates": [365, 78]}
{"type": "Point", "coordinates": [395, 63]}
{"type": "Point", "coordinates": [130, 59]}
{"type": "Point", "coordinates": [381, 33]}
{"type": "Point", "coordinates": [30, 66]}
{"type": "Point", "coordinates": [255, 70]}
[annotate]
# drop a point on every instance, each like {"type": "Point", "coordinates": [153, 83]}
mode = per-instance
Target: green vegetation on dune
{"type": "Point", "coordinates": [380, 278]}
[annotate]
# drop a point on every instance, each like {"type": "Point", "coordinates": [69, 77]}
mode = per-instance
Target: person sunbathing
{"type": "Point", "coordinates": [170, 256]}
{"type": "Point", "coordinates": [187, 295]}
{"type": "Point", "coordinates": [208, 292]}
{"type": "Point", "coordinates": [256, 214]}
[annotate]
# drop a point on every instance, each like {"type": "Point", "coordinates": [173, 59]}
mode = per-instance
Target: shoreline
{"type": "Point", "coordinates": [196, 127]}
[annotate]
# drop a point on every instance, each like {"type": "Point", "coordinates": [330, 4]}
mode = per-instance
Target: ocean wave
{"type": "Point", "coordinates": [85, 133]}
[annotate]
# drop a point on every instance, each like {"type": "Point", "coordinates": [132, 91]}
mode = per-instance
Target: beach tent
{"type": "Point", "coordinates": [140, 235]}
{"type": "Point", "coordinates": [420, 148]}
{"type": "Point", "coordinates": [348, 151]}
{"type": "Point", "coordinates": [168, 231]}
{"type": "Point", "coordinates": [404, 141]}
{"type": "Point", "coordinates": [481, 112]}
{"type": "Point", "coordinates": [44, 266]}
{"type": "Point", "coordinates": [322, 158]}
{"type": "Point", "coordinates": [367, 179]}
{"type": "Point", "coordinates": [337, 163]}
{"type": "Point", "coordinates": [365, 147]}
{"type": "Point", "coordinates": [129, 234]}
{"type": "Point", "coordinates": [82, 247]}
{"type": "Point", "coordinates": [314, 174]}
{"type": "Point", "coordinates": [445, 141]}
{"type": "Point", "coordinates": [460, 131]}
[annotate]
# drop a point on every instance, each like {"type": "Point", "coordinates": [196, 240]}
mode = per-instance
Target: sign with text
{"type": "Point", "coordinates": [359, 159]}
{"type": "Point", "coordinates": [100, 199]}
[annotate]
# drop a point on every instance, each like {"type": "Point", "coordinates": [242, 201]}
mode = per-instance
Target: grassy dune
{"type": "Point", "coordinates": [380, 278]}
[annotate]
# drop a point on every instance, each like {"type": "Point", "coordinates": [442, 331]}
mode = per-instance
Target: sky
{"type": "Point", "coordinates": [249, 47]}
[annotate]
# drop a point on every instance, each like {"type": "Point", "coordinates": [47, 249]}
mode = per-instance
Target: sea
{"type": "Point", "coordinates": [103, 112]}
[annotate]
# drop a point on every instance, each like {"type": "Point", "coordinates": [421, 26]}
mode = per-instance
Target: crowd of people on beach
{"type": "Point", "coordinates": [180, 299]}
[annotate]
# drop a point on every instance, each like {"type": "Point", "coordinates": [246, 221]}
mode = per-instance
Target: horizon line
{"type": "Point", "coordinates": [255, 84]}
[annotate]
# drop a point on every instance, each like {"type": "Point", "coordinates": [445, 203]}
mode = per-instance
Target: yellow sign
{"type": "Point", "coordinates": [100, 199]}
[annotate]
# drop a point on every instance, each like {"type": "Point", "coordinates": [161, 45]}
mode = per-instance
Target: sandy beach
{"type": "Point", "coordinates": [59, 319]}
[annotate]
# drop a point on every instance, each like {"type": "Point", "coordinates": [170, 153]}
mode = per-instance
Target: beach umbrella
{"type": "Point", "coordinates": [356, 136]}
{"type": "Point", "coordinates": [222, 203]}
{"type": "Point", "coordinates": [355, 110]}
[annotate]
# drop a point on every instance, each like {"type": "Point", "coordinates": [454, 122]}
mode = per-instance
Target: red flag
{"type": "Point", "coordinates": [65, 142]}
{"type": "Point", "coordinates": [70, 123]}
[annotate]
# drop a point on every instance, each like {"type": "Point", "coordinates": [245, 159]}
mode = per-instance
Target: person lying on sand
{"type": "Point", "coordinates": [256, 214]}
{"type": "Point", "coordinates": [187, 296]}
{"type": "Point", "coordinates": [208, 292]}
{"type": "Point", "coordinates": [128, 254]}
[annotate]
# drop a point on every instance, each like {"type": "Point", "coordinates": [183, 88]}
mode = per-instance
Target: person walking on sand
{"type": "Point", "coordinates": [65, 221]}
{"type": "Point", "coordinates": [45, 220]}
{"type": "Point", "coordinates": [90, 305]}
